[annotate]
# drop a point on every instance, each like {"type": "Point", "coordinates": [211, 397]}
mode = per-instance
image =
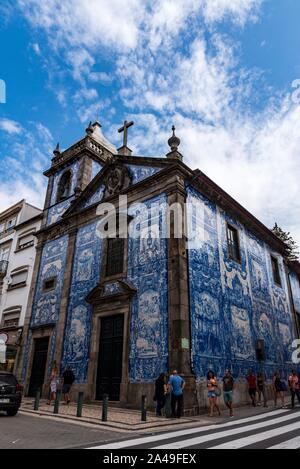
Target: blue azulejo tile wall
{"type": "Point", "coordinates": [46, 305]}
{"type": "Point", "coordinates": [233, 304]}
{"type": "Point", "coordinates": [147, 271]}
{"type": "Point", "coordinates": [139, 173]}
{"type": "Point", "coordinates": [85, 276]}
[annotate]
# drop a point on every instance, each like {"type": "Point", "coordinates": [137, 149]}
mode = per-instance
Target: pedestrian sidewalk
{"type": "Point", "coordinates": [130, 420]}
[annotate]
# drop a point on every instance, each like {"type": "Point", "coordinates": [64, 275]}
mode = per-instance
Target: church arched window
{"type": "Point", "coordinates": [64, 186]}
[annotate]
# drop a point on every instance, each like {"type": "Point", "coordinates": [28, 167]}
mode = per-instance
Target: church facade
{"type": "Point", "coordinates": [122, 309]}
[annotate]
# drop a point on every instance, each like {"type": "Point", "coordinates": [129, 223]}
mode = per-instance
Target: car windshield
{"type": "Point", "coordinates": [8, 379]}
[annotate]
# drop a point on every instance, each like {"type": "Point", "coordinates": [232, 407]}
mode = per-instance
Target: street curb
{"type": "Point", "coordinates": [112, 424]}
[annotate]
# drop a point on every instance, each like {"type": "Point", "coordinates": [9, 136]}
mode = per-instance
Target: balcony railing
{"type": "Point", "coordinates": [3, 269]}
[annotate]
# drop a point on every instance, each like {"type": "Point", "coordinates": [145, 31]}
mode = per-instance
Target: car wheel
{"type": "Point", "coordinates": [12, 412]}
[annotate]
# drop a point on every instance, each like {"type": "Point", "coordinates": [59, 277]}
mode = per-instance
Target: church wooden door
{"type": "Point", "coordinates": [109, 375]}
{"type": "Point", "coordinates": [38, 365]}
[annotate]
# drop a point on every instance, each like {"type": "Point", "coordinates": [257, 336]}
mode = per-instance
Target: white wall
{"type": "Point", "coordinates": [25, 257]}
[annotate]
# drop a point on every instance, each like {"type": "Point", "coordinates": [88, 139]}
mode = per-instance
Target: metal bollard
{"type": "Point", "coordinates": [57, 402]}
{"type": "Point", "coordinates": [105, 408]}
{"type": "Point", "coordinates": [79, 404]}
{"type": "Point", "coordinates": [144, 408]}
{"type": "Point", "coordinates": [37, 399]}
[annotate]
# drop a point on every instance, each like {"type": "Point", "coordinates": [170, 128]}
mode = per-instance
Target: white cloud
{"type": "Point", "coordinates": [10, 126]}
{"type": "Point", "coordinates": [168, 71]}
{"type": "Point", "coordinates": [238, 10]}
{"type": "Point", "coordinates": [23, 159]}
{"type": "Point", "coordinates": [36, 48]}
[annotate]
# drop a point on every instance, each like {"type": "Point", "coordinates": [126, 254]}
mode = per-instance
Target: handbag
{"type": "Point", "coordinates": [218, 392]}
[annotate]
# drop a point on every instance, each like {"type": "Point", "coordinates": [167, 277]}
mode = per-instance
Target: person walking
{"type": "Point", "coordinates": [69, 378]}
{"type": "Point", "coordinates": [160, 394]}
{"type": "Point", "coordinates": [213, 393]}
{"type": "Point", "coordinates": [176, 386]}
{"type": "Point", "coordinates": [54, 378]}
{"type": "Point", "coordinates": [278, 389]}
{"type": "Point", "coordinates": [294, 387]}
{"type": "Point", "coordinates": [261, 388]}
{"type": "Point", "coordinates": [252, 386]}
{"type": "Point", "coordinates": [228, 386]}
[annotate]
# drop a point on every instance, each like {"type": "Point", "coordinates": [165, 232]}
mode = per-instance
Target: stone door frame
{"type": "Point", "coordinates": [113, 308]}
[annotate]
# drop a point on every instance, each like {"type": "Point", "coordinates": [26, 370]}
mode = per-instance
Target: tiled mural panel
{"type": "Point", "coordinates": [96, 168]}
{"type": "Point", "coordinates": [139, 173]}
{"type": "Point", "coordinates": [147, 271]}
{"type": "Point", "coordinates": [55, 213]}
{"type": "Point", "coordinates": [46, 305]}
{"type": "Point", "coordinates": [85, 276]}
{"type": "Point", "coordinates": [96, 197]}
{"type": "Point", "coordinates": [233, 304]}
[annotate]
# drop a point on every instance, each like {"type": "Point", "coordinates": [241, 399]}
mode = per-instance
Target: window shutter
{"type": "Point", "coordinates": [18, 278]}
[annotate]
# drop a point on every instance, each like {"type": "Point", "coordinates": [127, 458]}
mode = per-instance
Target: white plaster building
{"type": "Point", "coordinates": [18, 225]}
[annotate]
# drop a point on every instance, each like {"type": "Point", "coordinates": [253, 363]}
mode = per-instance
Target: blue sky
{"type": "Point", "coordinates": [221, 70]}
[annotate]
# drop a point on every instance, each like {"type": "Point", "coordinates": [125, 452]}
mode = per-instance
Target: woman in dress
{"type": "Point", "coordinates": [53, 383]}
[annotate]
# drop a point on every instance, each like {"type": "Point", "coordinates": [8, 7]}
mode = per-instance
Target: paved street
{"type": "Point", "coordinates": [28, 432]}
{"type": "Point", "coordinates": [275, 429]}
{"type": "Point", "coordinates": [279, 429]}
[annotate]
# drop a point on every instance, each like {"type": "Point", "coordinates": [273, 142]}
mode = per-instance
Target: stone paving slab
{"type": "Point", "coordinates": [128, 420]}
{"type": "Point", "coordinates": [125, 419]}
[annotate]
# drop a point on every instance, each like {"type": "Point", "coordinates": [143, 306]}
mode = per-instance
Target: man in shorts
{"type": "Point", "coordinates": [228, 385]}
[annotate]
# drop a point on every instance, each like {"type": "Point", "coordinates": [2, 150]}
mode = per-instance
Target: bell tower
{"type": "Point", "coordinates": [73, 169]}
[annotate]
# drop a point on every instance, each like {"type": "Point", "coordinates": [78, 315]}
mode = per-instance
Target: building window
{"type": "Point", "coordinates": [25, 241]}
{"type": "Point", "coordinates": [11, 318]}
{"type": "Point", "coordinates": [49, 284]}
{"type": "Point", "coordinates": [7, 226]}
{"type": "Point", "coordinates": [11, 223]}
{"type": "Point", "coordinates": [115, 256]}
{"type": "Point", "coordinates": [275, 270]}
{"type": "Point", "coordinates": [233, 243]}
{"type": "Point", "coordinates": [4, 253]}
{"type": "Point", "coordinates": [18, 278]}
{"type": "Point", "coordinates": [64, 186]}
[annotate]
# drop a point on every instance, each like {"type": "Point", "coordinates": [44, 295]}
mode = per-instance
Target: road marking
{"type": "Point", "coordinates": [217, 436]}
{"type": "Point", "coordinates": [289, 444]}
{"type": "Point", "coordinates": [250, 440]}
{"type": "Point", "coordinates": [190, 431]}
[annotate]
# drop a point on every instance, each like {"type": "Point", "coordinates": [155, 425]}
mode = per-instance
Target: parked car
{"type": "Point", "coordinates": [10, 393]}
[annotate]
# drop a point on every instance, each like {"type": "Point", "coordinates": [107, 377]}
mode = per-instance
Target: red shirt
{"type": "Point", "coordinates": [251, 381]}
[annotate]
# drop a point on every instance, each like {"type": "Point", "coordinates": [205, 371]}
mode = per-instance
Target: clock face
{"type": "Point", "coordinates": [3, 338]}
